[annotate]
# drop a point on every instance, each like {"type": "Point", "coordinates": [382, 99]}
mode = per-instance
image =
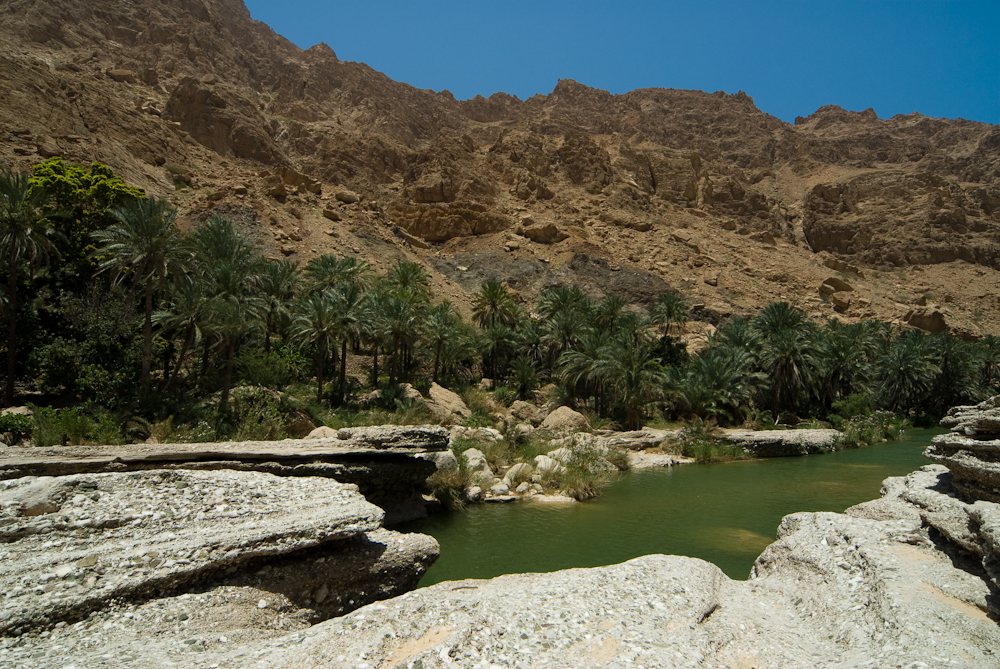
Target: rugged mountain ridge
{"type": "Point", "coordinates": [699, 192]}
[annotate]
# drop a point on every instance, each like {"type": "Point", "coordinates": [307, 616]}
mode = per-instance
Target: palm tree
{"type": "Point", "coordinates": [630, 369]}
{"type": "Point", "coordinates": [989, 360]}
{"type": "Point", "coordinates": [316, 322]}
{"type": "Point", "coordinates": [231, 267]}
{"type": "Point", "coordinates": [562, 333]}
{"type": "Point", "coordinates": [906, 373]}
{"type": "Point", "coordinates": [327, 271]}
{"type": "Point", "coordinates": [718, 383]}
{"type": "Point", "coordinates": [608, 313]}
{"type": "Point", "coordinates": [23, 237]}
{"type": "Point", "coordinates": [144, 242]}
{"type": "Point", "coordinates": [958, 381]}
{"type": "Point", "coordinates": [494, 305]}
{"type": "Point", "coordinates": [787, 353]}
{"type": "Point", "coordinates": [670, 309]}
{"type": "Point", "coordinates": [561, 298]}
{"type": "Point", "coordinates": [279, 282]}
{"type": "Point", "coordinates": [411, 277]}
{"type": "Point", "coordinates": [440, 326]}
{"type": "Point", "coordinates": [184, 311]}
{"type": "Point", "coordinates": [348, 302]}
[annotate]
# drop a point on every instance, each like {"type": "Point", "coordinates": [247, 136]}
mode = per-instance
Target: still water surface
{"type": "Point", "coordinates": [724, 513]}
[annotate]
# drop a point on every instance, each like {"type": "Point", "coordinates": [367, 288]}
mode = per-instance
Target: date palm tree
{"type": "Point", "coordinates": [906, 373]}
{"type": "Point", "coordinates": [631, 370]}
{"type": "Point", "coordinates": [316, 322]}
{"type": "Point", "coordinates": [494, 305]}
{"type": "Point", "coordinates": [279, 282]}
{"type": "Point", "coordinates": [24, 237]}
{"type": "Point", "coordinates": [440, 326]}
{"type": "Point", "coordinates": [144, 242]}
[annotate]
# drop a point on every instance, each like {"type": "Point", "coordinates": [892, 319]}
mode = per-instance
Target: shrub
{"type": "Point", "coordinates": [257, 414]}
{"type": "Point", "coordinates": [871, 429]}
{"type": "Point", "coordinates": [268, 370]}
{"type": "Point", "coordinates": [46, 429]}
{"type": "Point", "coordinates": [505, 395]}
{"type": "Point", "coordinates": [449, 485]}
{"type": "Point", "coordinates": [16, 427]}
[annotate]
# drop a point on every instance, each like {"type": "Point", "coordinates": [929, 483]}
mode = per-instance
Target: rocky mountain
{"type": "Point", "coordinates": [636, 193]}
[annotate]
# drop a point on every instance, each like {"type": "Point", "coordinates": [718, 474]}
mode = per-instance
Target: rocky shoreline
{"type": "Point", "coordinates": [220, 567]}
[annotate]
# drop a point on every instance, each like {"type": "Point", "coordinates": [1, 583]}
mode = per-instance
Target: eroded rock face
{"type": "Point", "coordinates": [971, 450]}
{"type": "Point", "coordinates": [81, 541]}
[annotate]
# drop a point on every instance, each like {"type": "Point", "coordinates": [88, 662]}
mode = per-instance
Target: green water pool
{"type": "Point", "coordinates": [724, 513]}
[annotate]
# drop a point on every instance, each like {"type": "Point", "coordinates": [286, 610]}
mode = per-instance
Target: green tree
{"type": "Point", "coordinates": [144, 242]}
{"type": "Point", "coordinates": [630, 369]}
{"type": "Point", "coordinates": [279, 282]}
{"type": "Point", "coordinates": [24, 238]}
{"type": "Point", "coordinates": [316, 323]}
{"type": "Point", "coordinates": [494, 305]}
{"type": "Point", "coordinates": [442, 324]}
{"type": "Point", "coordinates": [787, 354]}
{"type": "Point", "coordinates": [905, 375]}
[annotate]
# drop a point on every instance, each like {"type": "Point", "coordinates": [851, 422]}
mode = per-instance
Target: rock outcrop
{"type": "Point", "coordinates": [782, 443]}
{"type": "Point", "coordinates": [971, 450]}
{"type": "Point", "coordinates": [85, 540]}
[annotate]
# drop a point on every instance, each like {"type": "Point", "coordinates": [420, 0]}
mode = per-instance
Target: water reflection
{"type": "Point", "coordinates": [726, 514]}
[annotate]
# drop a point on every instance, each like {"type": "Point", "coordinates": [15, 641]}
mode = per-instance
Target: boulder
{"type": "Point", "coordinates": [331, 214]}
{"type": "Point", "coordinates": [122, 76]}
{"type": "Point", "coordinates": [525, 411]}
{"type": "Point", "coordinates": [322, 432]}
{"type": "Point", "coordinates": [544, 234]}
{"type": "Point", "coordinates": [473, 494]}
{"type": "Point", "coordinates": [498, 489]}
{"type": "Point", "coordinates": [565, 419]}
{"type": "Point", "coordinates": [446, 406]}
{"type": "Point", "coordinates": [441, 459]}
{"type": "Point", "coordinates": [520, 471]}
{"type": "Point", "coordinates": [838, 284]}
{"type": "Point", "coordinates": [840, 303]}
{"type": "Point", "coordinates": [971, 450]}
{"type": "Point", "coordinates": [544, 464]}
{"type": "Point", "coordinates": [783, 443]}
{"type": "Point", "coordinates": [346, 196]}
{"type": "Point", "coordinates": [929, 319]}
{"type": "Point", "coordinates": [156, 531]}
{"type": "Point", "coordinates": [300, 427]}
{"type": "Point", "coordinates": [476, 461]}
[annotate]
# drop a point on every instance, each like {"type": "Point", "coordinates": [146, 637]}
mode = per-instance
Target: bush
{"type": "Point", "coordinates": [505, 395]}
{"type": "Point", "coordinates": [871, 429]}
{"type": "Point", "coordinates": [268, 370]}
{"type": "Point", "coordinates": [257, 414]}
{"type": "Point", "coordinates": [449, 485]}
{"type": "Point", "coordinates": [46, 429]}
{"type": "Point", "coordinates": [15, 427]}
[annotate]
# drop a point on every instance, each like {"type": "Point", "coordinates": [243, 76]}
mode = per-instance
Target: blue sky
{"type": "Point", "coordinates": [940, 58]}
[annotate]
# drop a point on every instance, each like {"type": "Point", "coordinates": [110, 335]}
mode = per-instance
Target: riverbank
{"type": "Point", "coordinates": [882, 582]}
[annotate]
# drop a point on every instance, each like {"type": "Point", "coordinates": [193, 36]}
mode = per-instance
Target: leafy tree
{"type": "Point", "coordinates": [494, 305]}
{"type": "Point", "coordinates": [630, 369]}
{"type": "Point", "coordinates": [316, 322]}
{"type": "Point", "coordinates": [144, 242]}
{"type": "Point", "coordinates": [80, 202]}
{"type": "Point", "coordinates": [905, 375]}
{"type": "Point", "coordinates": [24, 238]}
{"type": "Point", "coordinates": [279, 282]}
{"type": "Point", "coordinates": [442, 325]}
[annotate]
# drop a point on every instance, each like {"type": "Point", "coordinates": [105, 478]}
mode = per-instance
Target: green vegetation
{"type": "Point", "coordinates": [197, 336]}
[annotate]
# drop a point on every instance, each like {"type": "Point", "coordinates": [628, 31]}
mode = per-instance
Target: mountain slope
{"type": "Point", "coordinates": [641, 192]}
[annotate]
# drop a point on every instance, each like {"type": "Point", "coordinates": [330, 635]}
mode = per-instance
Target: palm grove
{"type": "Point", "coordinates": [111, 309]}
